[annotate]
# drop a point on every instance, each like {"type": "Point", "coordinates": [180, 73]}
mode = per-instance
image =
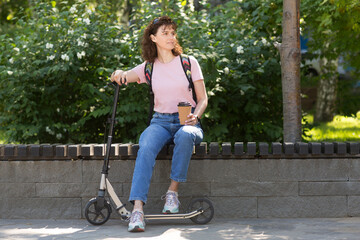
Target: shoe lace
{"type": "Point", "coordinates": [136, 217]}
{"type": "Point", "coordinates": [171, 199]}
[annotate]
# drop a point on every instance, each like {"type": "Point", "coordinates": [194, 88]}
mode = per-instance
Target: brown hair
{"type": "Point", "coordinates": [149, 50]}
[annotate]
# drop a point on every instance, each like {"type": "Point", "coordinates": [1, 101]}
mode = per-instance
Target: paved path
{"type": "Point", "coordinates": [224, 229]}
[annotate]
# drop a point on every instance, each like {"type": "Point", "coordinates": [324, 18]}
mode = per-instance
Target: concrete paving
{"type": "Point", "coordinates": [223, 229]}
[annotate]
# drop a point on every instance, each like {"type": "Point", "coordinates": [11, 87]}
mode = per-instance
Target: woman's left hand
{"type": "Point", "coordinates": [192, 119]}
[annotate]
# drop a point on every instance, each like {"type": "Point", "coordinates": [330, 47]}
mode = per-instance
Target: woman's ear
{"type": "Point", "coordinates": [153, 38]}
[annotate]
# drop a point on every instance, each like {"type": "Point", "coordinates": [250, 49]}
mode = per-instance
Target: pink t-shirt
{"type": "Point", "coordinates": [169, 83]}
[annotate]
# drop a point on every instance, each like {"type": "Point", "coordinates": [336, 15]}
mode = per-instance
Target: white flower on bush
{"type": "Point", "coordinates": [240, 49]}
{"type": "Point", "coordinates": [48, 130]}
{"type": "Point", "coordinates": [70, 31]}
{"type": "Point", "coordinates": [116, 40]}
{"type": "Point", "coordinates": [226, 70]}
{"type": "Point", "coordinates": [83, 36]}
{"type": "Point", "coordinates": [17, 49]}
{"type": "Point", "coordinates": [73, 9]}
{"type": "Point", "coordinates": [265, 42]}
{"type": "Point", "coordinates": [52, 57]}
{"type": "Point", "coordinates": [80, 55]}
{"type": "Point", "coordinates": [65, 57]}
{"type": "Point", "coordinates": [81, 43]}
{"type": "Point", "coordinates": [11, 60]}
{"type": "Point", "coordinates": [86, 20]}
{"type": "Point", "coordinates": [10, 72]}
{"type": "Point", "coordinates": [49, 45]}
{"type": "Point", "coordinates": [59, 135]}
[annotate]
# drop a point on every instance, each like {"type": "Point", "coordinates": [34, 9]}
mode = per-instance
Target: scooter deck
{"type": "Point", "coordinates": [174, 215]}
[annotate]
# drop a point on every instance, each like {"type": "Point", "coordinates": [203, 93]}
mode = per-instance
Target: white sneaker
{"type": "Point", "coordinates": [137, 223]}
{"type": "Point", "coordinates": [171, 202]}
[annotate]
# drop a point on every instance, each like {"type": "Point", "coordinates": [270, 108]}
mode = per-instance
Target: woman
{"type": "Point", "coordinates": [170, 86]}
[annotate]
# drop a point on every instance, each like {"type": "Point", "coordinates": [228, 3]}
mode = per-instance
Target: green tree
{"type": "Point", "coordinates": [333, 26]}
{"type": "Point", "coordinates": [53, 73]}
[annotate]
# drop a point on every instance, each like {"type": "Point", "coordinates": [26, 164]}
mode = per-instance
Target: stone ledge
{"type": "Point", "coordinates": [215, 150]}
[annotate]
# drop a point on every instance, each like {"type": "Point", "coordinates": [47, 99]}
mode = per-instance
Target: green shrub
{"type": "Point", "coordinates": [53, 71]}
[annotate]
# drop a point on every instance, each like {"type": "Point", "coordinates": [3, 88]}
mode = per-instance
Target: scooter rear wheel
{"type": "Point", "coordinates": [205, 205]}
{"type": "Point", "coordinates": [97, 215]}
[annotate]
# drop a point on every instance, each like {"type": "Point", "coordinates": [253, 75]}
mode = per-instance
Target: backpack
{"type": "Point", "coordinates": [149, 67]}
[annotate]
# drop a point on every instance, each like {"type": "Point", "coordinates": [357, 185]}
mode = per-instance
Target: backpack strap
{"type": "Point", "coordinates": [148, 75]}
{"type": "Point", "coordinates": [149, 67]}
{"type": "Point", "coordinates": [186, 64]}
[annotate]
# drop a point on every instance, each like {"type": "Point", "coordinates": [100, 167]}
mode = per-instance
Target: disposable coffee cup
{"type": "Point", "coordinates": [184, 109]}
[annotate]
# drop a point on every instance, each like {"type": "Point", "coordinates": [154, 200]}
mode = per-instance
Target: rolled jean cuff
{"type": "Point", "coordinates": [178, 179]}
{"type": "Point", "coordinates": [133, 199]}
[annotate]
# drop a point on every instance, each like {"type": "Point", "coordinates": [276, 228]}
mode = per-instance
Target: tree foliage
{"type": "Point", "coordinates": [53, 74]}
{"type": "Point", "coordinates": [334, 29]}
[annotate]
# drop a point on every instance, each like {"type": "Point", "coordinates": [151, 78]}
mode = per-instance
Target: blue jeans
{"type": "Point", "coordinates": [163, 129]}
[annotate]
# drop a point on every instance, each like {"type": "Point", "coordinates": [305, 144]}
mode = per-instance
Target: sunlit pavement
{"type": "Point", "coordinates": [259, 229]}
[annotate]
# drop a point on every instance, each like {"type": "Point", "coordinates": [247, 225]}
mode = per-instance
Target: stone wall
{"type": "Point", "coordinates": [243, 180]}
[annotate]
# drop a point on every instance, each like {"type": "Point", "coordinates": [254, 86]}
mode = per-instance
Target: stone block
{"type": "Point", "coordinates": [61, 151]}
{"type": "Point", "coordinates": [340, 148]}
{"type": "Point", "coordinates": [201, 149]}
{"type": "Point", "coordinates": [276, 148]}
{"type": "Point", "coordinates": [125, 149]}
{"type": "Point", "coordinates": [40, 171]}
{"type": "Point", "coordinates": [99, 150]}
{"type": "Point", "coordinates": [239, 148]}
{"type": "Point", "coordinates": [302, 148]}
{"type": "Point", "coordinates": [47, 150]}
{"type": "Point", "coordinates": [16, 190]}
{"type": "Point", "coordinates": [91, 171]}
{"type": "Point", "coordinates": [251, 148]}
{"type": "Point", "coordinates": [327, 148]}
{"type": "Point", "coordinates": [9, 150]}
{"type": "Point", "coordinates": [254, 189]}
{"type": "Point", "coordinates": [241, 207]}
{"type": "Point", "coordinates": [264, 149]}
{"type": "Point", "coordinates": [214, 149]}
{"type": "Point", "coordinates": [353, 147]}
{"type": "Point", "coordinates": [226, 148]}
{"type": "Point", "coordinates": [354, 169]}
{"type": "Point", "coordinates": [315, 148]}
{"type": "Point", "coordinates": [171, 149]}
{"type": "Point", "coordinates": [303, 207]}
{"type": "Point", "coordinates": [134, 149]}
{"type": "Point", "coordinates": [231, 171]}
{"type": "Point", "coordinates": [163, 151]}
{"type": "Point", "coordinates": [121, 170]}
{"type": "Point", "coordinates": [162, 169]}
{"type": "Point", "coordinates": [87, 150]}
{"type": "Point", "coordinates": [354, 206]}
{"type": "Point", "coordinates": [329, 188]}
{"type": "Point", "coordinates": [34, 150]}
{"type": "Point", "coordinates": [70, 190]}
{"type": "Point", "coordinates": [273, 170]}
{"type": "Point", "coordinates": [289, 148]}
{"type": "Point", "coordinates": [74, 151]}
{"type": "Point", "coordinates": [40, 208]}
{"type": "Point", "coordinates": [21, 150]}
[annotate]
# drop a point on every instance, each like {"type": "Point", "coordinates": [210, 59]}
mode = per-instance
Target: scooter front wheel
{"type": "Point", "coordinates": [96, 214]}
{"type": "Point", "coordinates": [202, 204]}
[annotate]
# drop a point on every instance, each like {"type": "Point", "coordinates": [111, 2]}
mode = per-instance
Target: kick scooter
{"type": "Point", "coordinates": [98, 209]}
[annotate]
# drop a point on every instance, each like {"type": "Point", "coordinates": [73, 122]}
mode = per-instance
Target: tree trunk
{"type": "Point", "coordinates": [327, 92]}
{"type": "Point", "coordinates": [290, 70]}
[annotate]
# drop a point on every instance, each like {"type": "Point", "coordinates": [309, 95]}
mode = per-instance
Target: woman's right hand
{"type": "Point", "coordinates": [119, 77]}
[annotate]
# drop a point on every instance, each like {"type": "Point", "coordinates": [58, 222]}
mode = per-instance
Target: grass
{"type": "Point", "coordinates": [341, 129]}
